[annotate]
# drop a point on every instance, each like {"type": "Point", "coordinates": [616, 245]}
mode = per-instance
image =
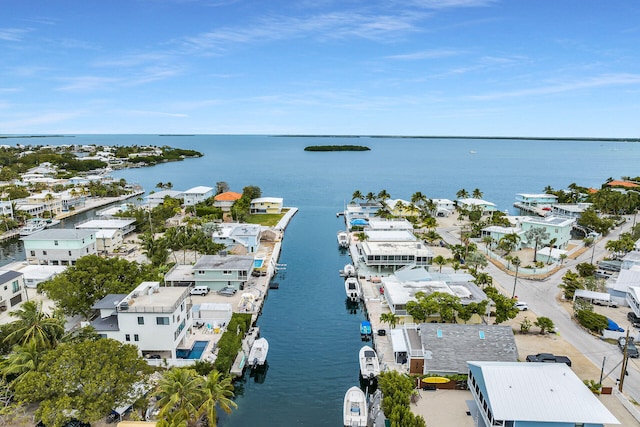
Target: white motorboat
{"type": "Point", "coordinates": [352, 289]}
{"type": "Point", "coordinates": [258, 353]}
{"type": "Point", "coordinates": [343, 239]}
{"type": "Point", "coordinates": [349, 270]}
{"type": "Point", "coordinates": [354, 412]}
{"type": "Point", "coordinates": [33, 225]}
{"type": "Point", "coordinates": [369, 363]}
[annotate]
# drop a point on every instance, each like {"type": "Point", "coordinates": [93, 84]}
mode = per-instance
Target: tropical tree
{"type": "Point", "coordinates": [508, 242]}
{"type": "Point", "coordinates": [536, 235]}
{"type": "Point", "coordinates": [86, 379]}
{"type": "Point", "coordinates": [477, 194]}
{"type": "Point", "coordinates": [390, 319]}
{"type": "Point", "coordinates": [357, 196]}
{"type": "Point", "coordinates": [383, 196]}
{"type": "Point", "coordinates": [22, 359]}
{"type": "Point", "coordinates": [35, 325]}
{"type": "Point", "coordinates": [505, 308]}
{"type": "Point", "coordinates": [218, 391]}
{"type": "Point", "coordinates": [488, 241]}
{"type": "Point", "coordinates": [545, 324]}
{"type": "Point", "coordinates": [440, 261]}
{"type": "Point", "coordinates": [462, 194]}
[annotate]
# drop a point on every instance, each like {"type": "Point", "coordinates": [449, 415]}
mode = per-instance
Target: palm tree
{"type": "Point", "coordinates": [22, 359]}
{"type": "Point", "coordinates": [217, 391]}
{"type": "Point", "coordinates": [440, 261]}
{"type": "Point", "coordinates": [178, 393]}
{"type": "Point", "coordinates": [536, 235]}
{"type": "Point", "coordinates": [357, 196]}
{"type": "Point", "coordinates": [487, 240]}
{"type": "Point", "coordinates": [35, 324]}
{"type": "Point", "coordinates": [389, 318]}
{"type": "Point", "coordinates": [462, 194]}
{"type": "Point", "coordinates": [383, 195]}
{"type": "Point", "coordinates": [477, 194]}
{"type": "Point", "coordinates": [370, 197]}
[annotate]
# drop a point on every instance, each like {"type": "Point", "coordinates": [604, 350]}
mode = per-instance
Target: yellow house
{"type": "Point", "coordinates": [266, 205]}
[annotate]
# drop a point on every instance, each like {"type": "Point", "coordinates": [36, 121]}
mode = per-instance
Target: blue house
{"type": "Point", "coordinates": [517, 394]}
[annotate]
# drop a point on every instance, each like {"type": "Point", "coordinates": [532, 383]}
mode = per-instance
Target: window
{"type": "Point", "coordinates": [136, 337]}
{"type": "Point", "coordinates": [44, 252]}
{"type": "Point", "coordinates": [55, 242]}
{"type": "Point", "coordinates": [162, 320]}
{"type": "Point", "coordinates": [127, 337]}
{"type": "Point", "coordinates": [140, 320]}
{"type": "Point", "coordinates": [33, 253]}
{"type": "Point", "coordinates": [15, 286]}
{"type": "Point", "coordinates": [226, 272]}
{"type": "Point", "coordinates": [69, 253]}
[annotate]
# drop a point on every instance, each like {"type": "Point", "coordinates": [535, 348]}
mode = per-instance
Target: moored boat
{"type": "Point", "coordinates": [352, 289]}
{"type": "Point", "coordinates": [258, 352]}
{"type": "Point", "coordinates": [354, 408]}
{"type": "Point", "coordinates": [32, 226]}
{"type": "Point", "coordinates": [349, 270]}
{"type": "Point", "coordinates": [343, 239]}
{"type": "Point", "coordinates": [369, 363]}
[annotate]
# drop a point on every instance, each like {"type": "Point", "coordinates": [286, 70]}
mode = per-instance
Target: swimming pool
{"type": "Point", "coordinates": [195, 352]}
{"type": "Point", "coordinates": [257, 263]}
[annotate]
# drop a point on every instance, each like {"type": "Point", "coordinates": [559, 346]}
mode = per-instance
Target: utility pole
{"type": "Point", "coordinates": [625, 358]}
{"type": "Point", "coordinates": [604, 359]}
{"type": "Point", "coordinates": [516, 262]}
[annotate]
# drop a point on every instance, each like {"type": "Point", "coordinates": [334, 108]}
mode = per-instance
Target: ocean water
{"type": "Point", "coordinates": [314, 338]}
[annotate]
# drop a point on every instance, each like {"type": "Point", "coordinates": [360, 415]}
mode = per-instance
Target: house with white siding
{"type": "Point", "coordinates": [12, 289]}
{"type": "Point", "coordinates": [59, 246]}
{"type": "Point", "coordinates": [195, 195]}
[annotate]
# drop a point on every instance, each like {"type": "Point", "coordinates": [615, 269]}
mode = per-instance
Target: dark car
{"type": "Point", "coordinates": [632, 350]}
{"type": "Point", "coordinates": [635, 320]}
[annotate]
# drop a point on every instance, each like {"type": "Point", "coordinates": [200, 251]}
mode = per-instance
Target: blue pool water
{"type": "Point", "coordinates": [257, 263]}
{"type": "Point", "coordinates": [195, 352]}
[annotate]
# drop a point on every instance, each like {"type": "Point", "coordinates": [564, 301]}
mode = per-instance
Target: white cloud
{"type": "Point", "coordinates": [594, 82]}
{"type": "Point", "coordinates": [146, 113]}
{"type": "Point", "coordinates": [427, 54]}
{"type": "Point", "coordinates": [12, 34]}
{"type": "Point", "coordinates": [84, 83]}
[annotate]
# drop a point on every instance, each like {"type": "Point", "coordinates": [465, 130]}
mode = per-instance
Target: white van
{"type": "Point", "coordinates": [199, 290]}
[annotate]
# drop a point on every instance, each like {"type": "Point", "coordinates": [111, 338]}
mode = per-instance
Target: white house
{"type": "Point", "coordinates": [157, 198]}
{"type": "Point", "coordinates": [155, 319]}
{"type": "Point", "coordinates": [533, 395]}
{"type": "Point", "coordinates": [107, 241]}
{"type": "Point", "coordinates": [195, 195]}
{"type": "Point", "coordinates": [381, 224]}
{"type": "Point", "coordinates": [218, 271]}
{"type": "Point", "coordinates": [12, 289]}
{"type": "Point", "coordinates": [125, 226]}
{"type": "Point", "coordinates": [35, 274]}
{"type": "Point", "coordinates": [393, 255]}
{"type": "Point", "coordinates": [232, 234]}
{"type": "Point", "coordinates": [444, 207]}
{"type": "Point", "coordinates": [266, 205]}
{"type": "Point", "coordinates": [59, 246]}
{"type": "Point", "coordinates": [483, 205]}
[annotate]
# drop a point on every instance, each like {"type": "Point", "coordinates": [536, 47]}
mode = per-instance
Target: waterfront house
{"type": "Point", "coordinates": [533, 395]}
{"type": "Point", "coordinates": [198, 194]}
{"type": "Point", "coordinates": [51, 202]}
{"type": "Point", "coordinates": [398, 290]}
{"type": "Point", "coordinates": [557, 228]}
{"type": "Point", "coordinates": [479, 204]}
{"type": "Point", "coordinates": [266, 205]}
{"type": "Point", "coordinates": [389, 236]}
{"type": "Point", "coordinates": [618, 286]}
{"type": "Point", "coordinates": [444, 207]}
{"type": "Point", "coordinates": [569, 210]}
{"type": "Point", "coordinates": [399, 207]}
{"type": "Point", "coordinates": [155, 319]}
{"type": "Point", "coordinates": [394, 255]}
{"type": "Point", "coordinates": [225, 200]}
{"type": "Point", "coordinates": [12, 289]}
{"type": "Point", "coordinates": [156, 199]}
{"type": "Point", "coordinates": [218, 271]}
{"type": "Point", "coordinates": [359, 214]}
{"type": "Point", "coordinates": [233, 234]}
{"type": "Point", "coordinates": [124, 226]}
{"type": "Point", "coordinates": [108, 241]}
{"type": "Point", "coordinates": [535, 200]}
{"type": "Point", "coordinates": [382, 224]}
{"type": "Point", "coordinates": [59, 246]}
{"type": "Point", "coordinates": [70, 199]}
{"type": "Point", "coordinates": [445, 348]}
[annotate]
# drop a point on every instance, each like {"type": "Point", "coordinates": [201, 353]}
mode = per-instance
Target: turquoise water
{"type": "Point", "coordinates": [313, 335]}
{"type": "Point", "coordinates": [257, 263]}
{"type": "Point", "coordinates": [195, 352]}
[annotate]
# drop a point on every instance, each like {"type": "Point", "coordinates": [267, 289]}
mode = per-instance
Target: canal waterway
{"type": "Point", "coordinates": [314, 338]}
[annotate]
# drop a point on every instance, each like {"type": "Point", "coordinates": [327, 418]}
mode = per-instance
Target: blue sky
{"type": "Point", "coordinates": [412, 67]}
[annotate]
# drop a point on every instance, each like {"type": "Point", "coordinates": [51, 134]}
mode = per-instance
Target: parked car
{"type": "Point", "coordinates": [632, 350]}
{"type": "Point", "coordinates": [635, 320]}
{"type": "Point", "coordinates": [548, 358]}
{"type": "Point", "coordinates": [606, 303]}
{"type": "Point", "coordinates": [199, 290]}
{"type": "Point", "coordinates": [522, 306]}
{"type": "Point", "coordinates": [227, 291]}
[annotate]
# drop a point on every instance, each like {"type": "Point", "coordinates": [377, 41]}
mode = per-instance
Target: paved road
{"type": "Point", "coordinates": [541, 298]}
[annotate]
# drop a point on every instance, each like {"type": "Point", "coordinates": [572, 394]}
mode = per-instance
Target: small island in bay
{"type": "Point", "coordinates": [336, 148]}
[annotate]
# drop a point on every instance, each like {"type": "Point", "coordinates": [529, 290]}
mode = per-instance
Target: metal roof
{"type": "Point", "coordinates": [540, 392]}
{"type": "Point", "coordinates": [60, 234]}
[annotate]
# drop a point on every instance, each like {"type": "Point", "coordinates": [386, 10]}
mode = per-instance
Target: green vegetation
{"type": "Point", "coordinates": [336, 148]}
{"type": "Point", "coordinates": [591, 320]}
{"type": "Point", "coordinates": [397, 389]}
{"type": "Point", "coordinates": [231, 341]}
{"type": "Point", "coordinates": [269, 220]}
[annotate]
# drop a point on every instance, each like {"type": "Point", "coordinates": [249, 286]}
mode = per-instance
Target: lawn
{"type": "Point", "coordinates": [268, 220]}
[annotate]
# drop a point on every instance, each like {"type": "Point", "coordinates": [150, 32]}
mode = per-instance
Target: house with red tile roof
{"type": "Point", "coordinates": [625, 184]}
{"type": "Point", "coordinates": [225, 200]}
